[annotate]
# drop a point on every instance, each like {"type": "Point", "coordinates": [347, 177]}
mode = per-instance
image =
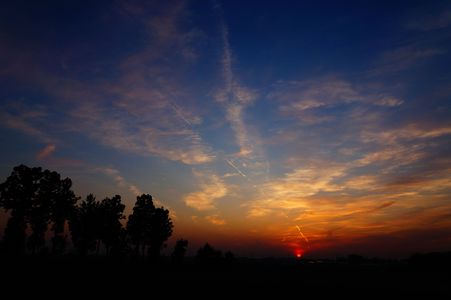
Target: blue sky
{"type": "Point", "coordinates": [265, 127]}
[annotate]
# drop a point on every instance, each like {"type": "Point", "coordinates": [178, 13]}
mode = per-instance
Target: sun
{"type": "Point", "coordinates": [298, 253]}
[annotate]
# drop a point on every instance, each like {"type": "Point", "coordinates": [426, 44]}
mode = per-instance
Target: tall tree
{"type": "Point", "coordinates": [138, 221]}
{"type": "Point", "coordinates": [61, 210]}
{"type": "Point", "coordinates": [61, 202]}
{"type": "Point", "coordinates": [111, 212]}
{"type": "Point", "coordinates": [84, 225]}
{"type": "Point", "coordinates": [18, 194]}
{"type": "Point", "coordinates": [158, 232]}
{"type": "Point", "coordinates": [149, 227]}
{"type": "Point", "coordinates": [35, 197]}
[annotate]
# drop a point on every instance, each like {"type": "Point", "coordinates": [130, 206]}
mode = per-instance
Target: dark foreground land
{"type": "Point", "coordinates": [278, 278]}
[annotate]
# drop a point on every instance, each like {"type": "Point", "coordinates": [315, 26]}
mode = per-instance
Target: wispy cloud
{"type": "Point", "coordinates": [27, 120]}
{"type": "Point", "coordinates": [389, 101]}
{"type": "Point", "coordinates": [142, 135]}
{"type": "Point", "coordinates": [369, 172]}
{"type": "Point", "coordinates": [212, 188]}
{"type": "Point", "coordinates": [311, 94]}
{"type": "Point", "coordinates": [307, 181]}
{"type": "Point", "coordinates": [406, 133]}
{"type": "Point", "coordinates": [163, 27]}
{"type": "Point", "coordinates": [120, 180]}
{"type": "Point", "coordinates": [249, 161]}
{"type": "Point", "coordinates": [142, 110]}
{"type": "Point", "coordinates": [46, 152]}
{"type": "Point", "coordinates": [335, 219]}
{"type": "Point", "coordinates": [403, 58]}
{"type": "Point", "coordinates": [308, 100]}
{"type": "Point", "coordinates": [236, 98]}
{"type": "Point", "coordinates": [431, 21]}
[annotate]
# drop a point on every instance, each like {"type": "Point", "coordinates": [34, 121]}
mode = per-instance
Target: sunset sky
{"type": "Point", "coordinates": [265, 127]}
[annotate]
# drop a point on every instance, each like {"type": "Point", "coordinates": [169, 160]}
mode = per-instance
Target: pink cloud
{"type": "Point", "coordinates": [46, 152]}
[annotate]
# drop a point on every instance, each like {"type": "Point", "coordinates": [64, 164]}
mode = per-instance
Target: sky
{"type": "Point", "coordinates": [269, 128]}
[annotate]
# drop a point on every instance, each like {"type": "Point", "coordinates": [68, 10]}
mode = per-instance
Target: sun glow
{"type": "Point", "coordinates": [298, 253]}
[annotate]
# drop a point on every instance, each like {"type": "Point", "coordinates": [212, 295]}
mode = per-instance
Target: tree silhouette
{"type": "Point", "coordinates": [148, 227]}
{"type": "Point", "coordinates": [18, 194]}
{"type": "Point", "coordinates": [84, 225]}
{"type": "Point", "coordinates": [207, 254]}
{"type": "Point", "coordinates": [35, 197]}
{"type": "Point", "coordinates": [40, 198]}
{"type": "Point", "coordinates": [39, 212]}
{"type": "Point", "coordinates": [229, 256]}
{"type": "Point", "coordinates": [179, 251]}
{"type": "Point", "coordinates": [138, 221]}
{"type": "Point", "coordinates": [61, 204]}
{"type": "Point", "coordinates": [160, 229]}
{"type": "Point", "coordinates": [121, 247]}
{"type": "Point", "coordinates": [111, 212]}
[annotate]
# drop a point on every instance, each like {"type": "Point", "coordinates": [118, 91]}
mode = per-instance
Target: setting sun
{"type": "Point", "coordinates": [299, 253]}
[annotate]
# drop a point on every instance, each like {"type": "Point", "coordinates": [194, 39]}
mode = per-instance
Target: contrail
{"type": "Point", "coordinates": [177, 110]}
{"type": "Point", "coordinates": [235, 167]}
{"type": "Point", "coordinates": [303, 236]}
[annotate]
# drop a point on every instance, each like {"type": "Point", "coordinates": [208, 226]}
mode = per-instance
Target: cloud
{"type": "Point", "coordinates": [235, 117]}
{"type": "Point", "coordinates": [406, 133]}
{"type": "Point", "coordinates": [311, 94]}
{"type": "Point", "coordinates": [46, 152]}
{"type": "Point", "coordinates": [389, 101]}
{"type": "Point", "coordinates": [120, 180]}
{"type": "Point", "coordinates": [141, 135]}
{"type": "Point", "coordinates": [306, 181]}
{"type": "Point", "coordinates": [431, 21]}
{"type": "Point", "coordinates": [308, 101]}
{"type": "Point", "coordinates": [163, 26]}
{"type": "Point", "coordinates": [403, 58]}
{"type": "Point", "coordinates": [215, 220]}
{"type": "Point", "coordinates": [291, 191]}
{"type": "Point", "coordinates": [396, 155]}
{"type": "Point", "coordinates": [362, 182]}
{"type": "Point", "coordinates": [27, 120]}
{"type": "Point", "coordinates": [331, 220]}
{"type": "Point", "coordinates": [227, 175]}
{"type": "Point", "coordinates": [212, 188]}
{"type": "Point", "coordinates": [249, 161]}
{"type": "Point", "coordinates": [421, 183]}
{"type": "Point", "coordinates": [143, 109]}
{"type": "Point", "coordinates": [405, 146]}
{"type": "Point", "coordinates": [235, 98]}
{"type": "Point", "coordinates": [132, 188]}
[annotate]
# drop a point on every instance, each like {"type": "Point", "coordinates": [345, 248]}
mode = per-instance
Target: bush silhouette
{"type": "Point", "coordinates": [179, 251]}
{"type": "Point", "coordinates": [208, 255]}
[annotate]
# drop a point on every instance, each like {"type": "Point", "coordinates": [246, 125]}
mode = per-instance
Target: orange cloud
{"type": "Point", "coordinates": [215, 220]}
{"type": "Point", "coordinates": [212, 188]}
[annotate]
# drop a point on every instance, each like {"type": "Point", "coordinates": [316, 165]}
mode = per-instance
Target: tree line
{"type": "Point", "coordinates": [41, 202]}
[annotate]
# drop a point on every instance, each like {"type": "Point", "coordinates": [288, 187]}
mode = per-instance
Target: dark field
{"type": "Point", "coordinates": [426, 276]}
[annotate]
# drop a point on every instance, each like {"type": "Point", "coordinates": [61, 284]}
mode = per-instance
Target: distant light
{"type": "Point", "coordinates": [299, 255]}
